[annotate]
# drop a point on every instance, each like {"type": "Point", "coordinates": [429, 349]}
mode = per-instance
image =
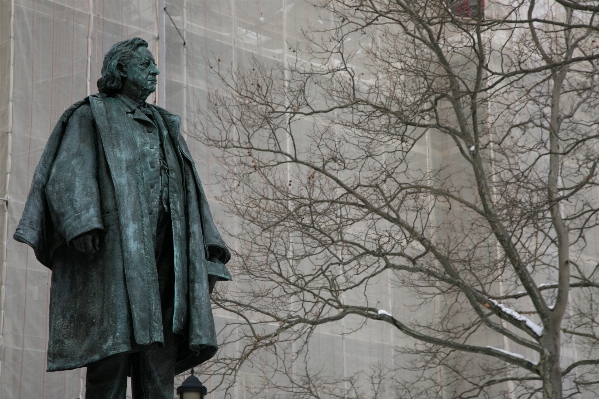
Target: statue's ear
{"type": "Point", "coordinates": [122, 69]}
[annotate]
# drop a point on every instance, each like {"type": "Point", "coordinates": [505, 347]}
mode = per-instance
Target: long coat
{"type": "Point", "coordinates": [109, 302]}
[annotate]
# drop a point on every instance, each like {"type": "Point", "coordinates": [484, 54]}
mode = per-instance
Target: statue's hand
{"type": "Point", "coordinates": [214, 254]}
{"type": "Point", "coordinates": [88, 243]}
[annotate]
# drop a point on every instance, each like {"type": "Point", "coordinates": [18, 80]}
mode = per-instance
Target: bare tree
{"type": "Point", "coordinates": [447, 148]}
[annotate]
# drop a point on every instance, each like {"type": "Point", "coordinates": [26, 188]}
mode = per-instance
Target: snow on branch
{"type": "Point", "coordinates": [516, 355]}
{"type": "Point", "coordinates": [537, 329]}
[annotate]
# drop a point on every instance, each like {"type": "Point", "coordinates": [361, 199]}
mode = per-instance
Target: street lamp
{"type": "Point", "coordinates": [192, 388]}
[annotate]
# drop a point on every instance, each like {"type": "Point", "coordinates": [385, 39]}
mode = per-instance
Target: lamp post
{"type": "Point", "coordinates": [192, 388]}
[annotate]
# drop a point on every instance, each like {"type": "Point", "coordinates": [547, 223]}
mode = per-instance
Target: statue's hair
{"type": "Point", "coordinates": [120, 53]}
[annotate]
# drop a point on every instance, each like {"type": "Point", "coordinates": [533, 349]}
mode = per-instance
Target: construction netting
{"type": "Point", "coordinates": [51, 54]}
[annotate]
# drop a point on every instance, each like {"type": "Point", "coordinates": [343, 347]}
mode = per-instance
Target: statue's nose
{"type": "Point", "coordinates": [155, 70]}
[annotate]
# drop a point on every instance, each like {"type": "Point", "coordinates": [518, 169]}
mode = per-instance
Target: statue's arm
{"type": "Point", "coordinates": [72, 190]}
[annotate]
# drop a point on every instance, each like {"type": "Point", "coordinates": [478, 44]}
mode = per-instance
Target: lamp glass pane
{"type": "Point", "coordinates": [191, 395]}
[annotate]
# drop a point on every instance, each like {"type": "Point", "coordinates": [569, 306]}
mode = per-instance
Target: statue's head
{"type": "Point", "coordinates": [129, 68]}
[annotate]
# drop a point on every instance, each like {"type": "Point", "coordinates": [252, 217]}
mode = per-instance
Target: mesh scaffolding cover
{"type": "Point", "coordinates": [51, 54]}
{"type": "Point", "coordinates": [58, 52]}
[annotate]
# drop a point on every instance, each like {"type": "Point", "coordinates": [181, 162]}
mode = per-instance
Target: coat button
{"type": "Point", "coordinates": [152, 185]}
{"type": "Point", "coordinates": [152, 165]}
{"type": "Point", "coordinates": [151, 147]}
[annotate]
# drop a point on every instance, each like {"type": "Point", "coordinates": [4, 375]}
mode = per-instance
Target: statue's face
{"type": "Point", "coordinates": [140, 73]}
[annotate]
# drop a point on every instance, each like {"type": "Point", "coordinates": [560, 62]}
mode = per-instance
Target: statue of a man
{"type": "Point", "coordinates": [117, 211]}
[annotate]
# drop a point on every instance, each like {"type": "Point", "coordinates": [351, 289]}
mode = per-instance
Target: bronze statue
{"type": "Point", "coordinates": [117, 212]}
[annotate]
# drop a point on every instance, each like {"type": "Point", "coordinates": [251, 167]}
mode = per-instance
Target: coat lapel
{"type": "Point", "coordinates": [202, 332]}
{"type": "Point", "coordinates": [122, 156]}
{"type": "Point", "coordinates": [140, 116]}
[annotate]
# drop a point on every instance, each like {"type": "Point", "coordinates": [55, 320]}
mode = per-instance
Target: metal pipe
{"type": "Point", "coordinates": [162, 53]}
{"type": "Point", "coordinates": [175, 25]}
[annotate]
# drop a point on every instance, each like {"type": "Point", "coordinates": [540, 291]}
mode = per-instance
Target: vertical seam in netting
{"type": "Point", "coordinates": [122, 25]}
{"type": "Point", "coordinates": [101, 39]}
{"type": "Point", "coordinates": [49, 275]}
{"type": "Point", "coordinates": [88, 69]}
{"type": "Point", "coordinates": [88, 77]}
{"type": "Point", "coordinates": [8, 166]}
{"type": "Point", "coordinates": [31, 112]}
{"type": "Point", "coordinates": [185, 90]}
{"type": "Point", "coordinates": [72, 55]}
{"type": "Point", "coordinates": [162, 53]}
{"type": "Point", "coordinates": [47, 332]}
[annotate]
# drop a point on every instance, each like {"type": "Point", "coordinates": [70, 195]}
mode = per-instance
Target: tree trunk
{"type": "Point", "coordinates": [551, 373]}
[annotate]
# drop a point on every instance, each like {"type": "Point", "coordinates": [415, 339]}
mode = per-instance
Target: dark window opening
{"type": "Point", "coordinates": [467, 8]}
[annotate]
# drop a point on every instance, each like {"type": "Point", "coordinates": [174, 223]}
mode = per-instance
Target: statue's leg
{"type": "Point", "coordinates": [153, 371]}
{"type": "Point", "coordinates": [107, 378]}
